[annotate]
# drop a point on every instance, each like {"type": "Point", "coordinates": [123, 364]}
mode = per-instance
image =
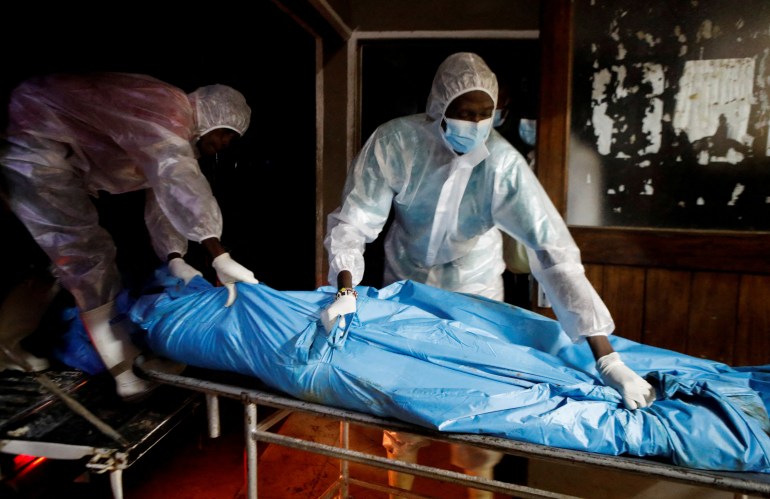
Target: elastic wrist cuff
{"type": "Point", "coordinates": [607, 360]}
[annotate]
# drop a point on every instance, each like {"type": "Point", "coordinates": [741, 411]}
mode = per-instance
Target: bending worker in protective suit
{"type": "Point", "coordinates": [70, 136]}
{"type": "Point", "coordinates": [453, 181]}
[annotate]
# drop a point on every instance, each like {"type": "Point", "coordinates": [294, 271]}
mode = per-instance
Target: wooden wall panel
{"type": "Point", "coordinates": [666, 301]}
{"type": "Point", "coordinates": [554, 100]}
{"type": "Point", "coordinates": [752, 339]}
{"type": "Point", "coordinates": [623, 292]}
{"type": "Point", "coordinates": [718, 316]}
{"type": "Point", "coordinates": [595, 275]}
{"type": "Point", "coordinates": [712, 317]}
{"type": "Point", "coordinates": [709, 251]}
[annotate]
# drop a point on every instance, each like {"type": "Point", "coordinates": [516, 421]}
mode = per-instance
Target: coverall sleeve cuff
{"type": "Point", "coordinates": [351, 261]}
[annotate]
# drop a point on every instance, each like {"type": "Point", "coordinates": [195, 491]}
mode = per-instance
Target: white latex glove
{"type": "Point", "coordinates": [182, 270]}
{"type": "Point", "coordinates": [229, 272]}
{"type": "Point", "coordinates": [345, 304]}
{"type": "Point", "coordinates": [636, 392]}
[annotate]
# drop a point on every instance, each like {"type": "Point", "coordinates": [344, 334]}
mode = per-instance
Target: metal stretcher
{"type": "Point", "coordinates": [34, 422]}
{"type": "Point", "coordinates": [252, 394]}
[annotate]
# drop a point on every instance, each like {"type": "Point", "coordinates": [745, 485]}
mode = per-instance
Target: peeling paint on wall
{"type": "Point", "coordinates": [711, 89]}
{"type": "Point", "coordinates": [672, 96]}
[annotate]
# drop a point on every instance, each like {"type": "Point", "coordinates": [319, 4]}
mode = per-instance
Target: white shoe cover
{"type": "Point", "coordinates": [31, 362]}
{"type": "Point", "coordinates": [110, 334]}
{"type": "Point", "coordinates": [21, 311]}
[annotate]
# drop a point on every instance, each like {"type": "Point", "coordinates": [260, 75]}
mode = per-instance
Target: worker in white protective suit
{"type": "Point", "coordinates": [70, 136]}
{"type": "Point", "coordinates": [452, 182]}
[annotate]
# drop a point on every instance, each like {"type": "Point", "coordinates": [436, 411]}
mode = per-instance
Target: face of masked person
{"type": "Point", "coordinates": [464, 136]}
{"type": "Point", "coordinates": [528, 131]}
{"type": "Point", "coordinates": [468, 120]}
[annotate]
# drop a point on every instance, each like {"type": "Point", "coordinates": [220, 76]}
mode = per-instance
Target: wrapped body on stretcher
{"type": "Point", "coordinates": [461, 363]}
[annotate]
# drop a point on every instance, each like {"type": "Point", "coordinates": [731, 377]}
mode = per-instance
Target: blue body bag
{"type": "Point", "coordinates": [462, 363]}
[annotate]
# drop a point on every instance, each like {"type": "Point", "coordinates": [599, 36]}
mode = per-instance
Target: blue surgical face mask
{"type": "Point", "coordinates": [464, 136]}
{"type": "Point", "coordinates": [499, 118]}
{"type": "Point", "coordinates": [528, 131]}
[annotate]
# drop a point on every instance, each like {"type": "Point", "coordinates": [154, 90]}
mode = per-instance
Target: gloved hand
{"type": "Point", "coordinates": [229, 272]}
{"type": "Point", "coordinates": [636, 392]}
{"type": "Point", "coordinates": [182, 270]}
{"type": "Point", "coordinates": [343, 305]}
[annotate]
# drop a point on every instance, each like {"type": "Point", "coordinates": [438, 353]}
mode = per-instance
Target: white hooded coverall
{"type": "Point", "coordinates": [70, 136]}
{"type": "Point", "coordinates": [448, 209]}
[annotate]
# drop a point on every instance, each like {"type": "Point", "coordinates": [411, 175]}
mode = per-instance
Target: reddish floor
{"type": "Point", "coordinates": [198, 467]}
{"type": "Point", "coordinates": [188, 464]}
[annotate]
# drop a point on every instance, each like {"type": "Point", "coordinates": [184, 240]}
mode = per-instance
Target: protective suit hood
{"type": "Point", "coordinates": [219, 106]}
{"type": "Point", "coordinates": [458, 74]}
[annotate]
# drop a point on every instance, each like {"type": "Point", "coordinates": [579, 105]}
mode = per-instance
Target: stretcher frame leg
{"type": "Point", "coordinates": [344, 465]}
{"type": "Point", "coordinates": [212, 413]}
{"type": "Point", "coordinates": [251, 449]}
{"type": "Point", "coordinates": [116, 483]}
